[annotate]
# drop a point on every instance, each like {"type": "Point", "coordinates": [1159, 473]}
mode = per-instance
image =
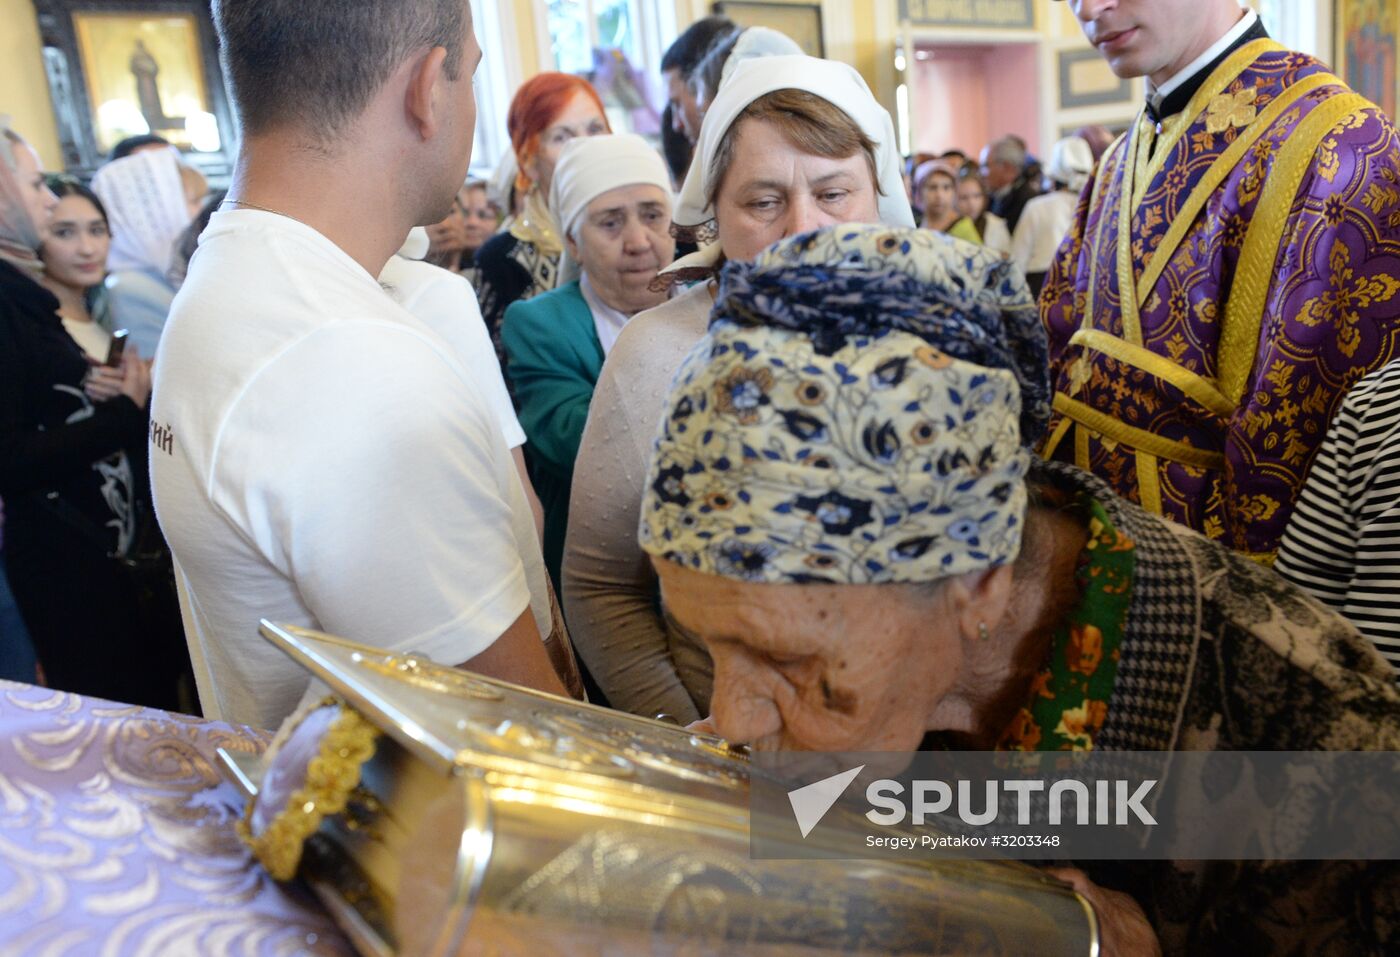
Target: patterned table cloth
{"type": "Point", "coordinates": [116, 838]}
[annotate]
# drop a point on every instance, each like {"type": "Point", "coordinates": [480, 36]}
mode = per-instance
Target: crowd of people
{"type": "Point", "coordinates": [765, 428]}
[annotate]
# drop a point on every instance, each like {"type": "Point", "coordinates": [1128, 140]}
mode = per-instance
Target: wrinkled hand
{"type": "Point", "coordinates": [1123, 927]}
{"type": "Point", "coordinates": [703, 726]}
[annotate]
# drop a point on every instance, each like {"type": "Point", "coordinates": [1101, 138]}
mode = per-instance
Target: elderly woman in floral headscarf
{"type": "Point", "coordinates": [843, 508]}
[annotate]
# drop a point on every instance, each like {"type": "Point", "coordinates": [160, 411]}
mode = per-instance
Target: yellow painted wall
{"type": "Point", "coordinates": [526, 47]}
{"type": "Point", "coordinates": [24, 92]}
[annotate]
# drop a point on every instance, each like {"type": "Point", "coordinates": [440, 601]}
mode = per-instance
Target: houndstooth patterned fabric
{"type": "Point", "coordinates": [1220, 654]}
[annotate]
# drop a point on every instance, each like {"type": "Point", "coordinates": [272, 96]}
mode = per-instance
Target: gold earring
{"type": "Point", "coordinates": [983, 633]}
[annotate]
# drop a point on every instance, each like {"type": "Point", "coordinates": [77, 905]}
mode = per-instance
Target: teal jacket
{"type": "Point", "coordinates": [553, 358]}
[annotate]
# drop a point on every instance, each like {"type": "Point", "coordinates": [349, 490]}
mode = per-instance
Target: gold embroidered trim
{"type": "Point", "coordinates": [1225, 74]}
{"type": "Point", "coordinates": [1225, 164]}
{"type": "Point", "coordinates": [1197, 387]}
{"type": "Point", "coordinates": [1057, 436]}
{"type": "Point", "coordinates": [331, 778]}
{"type": "Point", "coordinates": [1133, 173]}
{"type": "Point", "coordinates": [1244, 312]}
{"type": "Point", "coordinates": [1133, 437]}
{"type": "Point", "coordinates": [1117, 152]}
{"type": "Point", "coordinates": [1149, 483]}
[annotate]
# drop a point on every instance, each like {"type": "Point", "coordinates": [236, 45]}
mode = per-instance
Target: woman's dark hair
{"type": "Point", "coordinates": [674, 146]}
{"type": "Point", "coordinates": [972, 174]}
{"type": "Point", "coordinates": [704, 80]}
{"type": "Point", "coordinates": [133, 143]}
{"type": "Point", "coordinates": [188, 242]}
{"type": "Point", "coordinates": [63, 185]}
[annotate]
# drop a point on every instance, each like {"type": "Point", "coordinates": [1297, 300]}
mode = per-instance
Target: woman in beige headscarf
{"type": "Point", "coordinates": [789, 144]}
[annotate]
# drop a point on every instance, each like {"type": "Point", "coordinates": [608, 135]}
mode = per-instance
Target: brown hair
{"type": "Point", "coordinates": [316, 66]}
{"type": "Point", "coordinates": [808, 122]}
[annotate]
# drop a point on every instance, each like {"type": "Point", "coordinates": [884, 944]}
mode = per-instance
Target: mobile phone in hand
{"type": "Point", "coordinates": [115, 350]}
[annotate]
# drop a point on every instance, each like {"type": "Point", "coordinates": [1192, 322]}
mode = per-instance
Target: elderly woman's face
{"type": "Point", "coordinates": [773, 190]}
{"type": "Point", "coordinates": [621, 242]}
{"type": "Point", "coordinates": [580, 118]}
{"type": "Point", "coordinates": [39, 200]}
{"type": "Point", "coordinates": [817, 667]}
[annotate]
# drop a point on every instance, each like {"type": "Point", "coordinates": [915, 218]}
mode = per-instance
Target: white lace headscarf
{"type": "Point", "coordinates": [145, 202]}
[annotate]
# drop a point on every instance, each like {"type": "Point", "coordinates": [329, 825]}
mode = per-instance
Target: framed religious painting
{"type": "Point", "coordinates": [121, 68]}
{"type": "Point", "coordinates": [1366, 38]}
{"type": "Point", "coordinates": [802, 22]}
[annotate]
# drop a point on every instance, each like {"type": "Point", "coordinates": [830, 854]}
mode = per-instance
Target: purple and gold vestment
{"type": "Point", "coordinates": [1229, 274]}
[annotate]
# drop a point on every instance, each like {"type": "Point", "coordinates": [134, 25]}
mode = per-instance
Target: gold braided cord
{"type": "Point", "coordinates": [1136, 160]}
{"type": "Point", "coordinates": [331, 778]}
{"type": "Point", "coordinates": [1056, 437]}
{"type": "Point", "coordinates": [1149, 482]}
{"type": "Point", "coordinates": [1185, 218]}
{"type": "Point", "coordinates": [1105, 177]}
{"type": "Point", "coordinates": [1159, 366]}
{"type": "Point", "coordinates": [1133, 437]}
{"type": "Point", "coordinates": [1244, 312]}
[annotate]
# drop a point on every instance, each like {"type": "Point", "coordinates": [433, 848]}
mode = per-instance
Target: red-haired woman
{"type": "Point", "coordinates": [523, 261]}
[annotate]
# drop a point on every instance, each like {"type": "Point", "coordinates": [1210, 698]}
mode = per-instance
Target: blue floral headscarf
{"type": "Point", "coordinates": [855, 414]}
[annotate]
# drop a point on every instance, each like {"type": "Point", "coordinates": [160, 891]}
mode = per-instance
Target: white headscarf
{"type": "Point", "coordinates": [838, 84]}
{"type": "Point", "coordinates": [1071, 163]}
{"type": "Point", "coordinates": [590, 166]}
{"type": "Point", "coordinates": [145, 202]}
{"type": "Point", "coordinates": [19, 234]}
{"type": "Point", "coordinates": [417, 244]}
{"type": "Point", "coordinates": [757, 42]}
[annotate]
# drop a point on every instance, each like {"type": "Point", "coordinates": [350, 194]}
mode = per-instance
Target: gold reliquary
{"type": "Point", "coordinates": [437, 812]}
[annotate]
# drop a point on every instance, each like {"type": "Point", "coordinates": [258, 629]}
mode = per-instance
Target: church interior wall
{"type": "Point", "coordinates": [869, 35]}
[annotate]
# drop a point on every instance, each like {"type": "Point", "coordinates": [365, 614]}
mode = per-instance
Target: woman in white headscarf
{"type": "Point", "coordinates": [611, 196]}
{"type": "Point", "coordinates": [73, 440]}
{"type": "Point", "coordinates": [719, 64]}
{"type": "Point", "coordinates": [790, 144]}
{"type": "Point", "coordinates": [149, 207]}
{"type": "Point", "coordinates": [1046, 219]}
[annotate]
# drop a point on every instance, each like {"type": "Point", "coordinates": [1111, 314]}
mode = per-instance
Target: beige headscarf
{"type": "Point", "coordinates": [19, 234]}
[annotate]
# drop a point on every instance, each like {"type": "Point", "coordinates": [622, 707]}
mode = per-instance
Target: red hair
{"type": "Point", "coordinates": [535, 107]}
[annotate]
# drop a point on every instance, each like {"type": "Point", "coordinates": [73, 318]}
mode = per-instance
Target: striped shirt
{"type": "Point", "coordinates": [1343, 541]}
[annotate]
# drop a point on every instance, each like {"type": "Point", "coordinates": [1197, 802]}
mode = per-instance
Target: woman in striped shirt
{"type": "Point", "coordinates": [1343, 541]}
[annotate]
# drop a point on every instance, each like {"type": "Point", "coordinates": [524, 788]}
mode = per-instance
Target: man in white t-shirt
{"type": "Point", "coordinates": [321, 456]}
{"type": "Point", "coordinates": [447, 303]}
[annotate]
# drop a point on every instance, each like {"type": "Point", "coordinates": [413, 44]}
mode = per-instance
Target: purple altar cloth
{"type": "Point", "coordinates": [116, 838]}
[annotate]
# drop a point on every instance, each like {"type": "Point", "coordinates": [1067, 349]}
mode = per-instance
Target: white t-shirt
{"type": "Point", "coordinates": [1044, 224]}
{"type": "Point", "coordinates": [321, 457]}
{"type": "Point", "coordinates": [447, 303]}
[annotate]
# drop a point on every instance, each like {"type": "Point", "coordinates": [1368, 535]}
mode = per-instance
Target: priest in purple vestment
{"type": "Point", "coordinates": [1234, 266]}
